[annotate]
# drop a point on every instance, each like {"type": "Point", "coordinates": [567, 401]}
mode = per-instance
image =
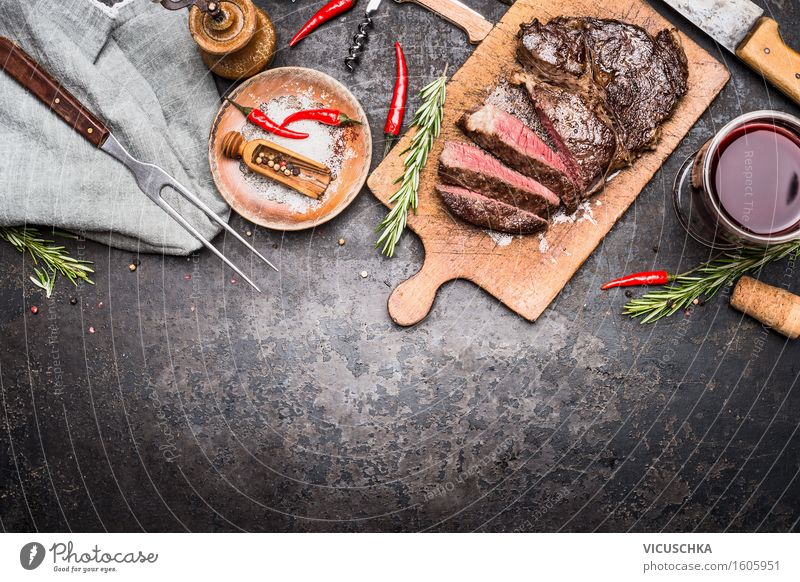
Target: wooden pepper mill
{"type": "Point", "coordinates": [236, 39]}
{"type": "Point", "coordinates": [772, 306]}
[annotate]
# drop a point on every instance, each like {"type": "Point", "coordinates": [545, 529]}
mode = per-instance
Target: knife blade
{"type": "Point", "coordinates": [741, 27]}
{"type": "Point", "coordinates": [726, 21]}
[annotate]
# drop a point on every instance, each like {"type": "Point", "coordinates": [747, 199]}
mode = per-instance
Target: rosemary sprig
{"type": "Point", "coordinates": [54, 259]}
{"type": "Point", "coordinates": [44, 280]}
{"type": "Point", "coordinates": [706, 280]}
{"type": "Point", "coordinates": [428, 122]}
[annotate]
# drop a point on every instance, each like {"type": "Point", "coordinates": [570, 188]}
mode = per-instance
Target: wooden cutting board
{"type": "Point", "coordinates": [527, 273]}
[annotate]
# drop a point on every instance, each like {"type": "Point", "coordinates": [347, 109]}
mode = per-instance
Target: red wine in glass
{"type": "Point", "coordinates": [756, 178]}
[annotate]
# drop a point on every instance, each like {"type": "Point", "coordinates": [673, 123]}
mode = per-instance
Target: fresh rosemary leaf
{"type": "Point", "coordinates": [54, 259]}
{"type": "Point", "coordinates": [428, 123]}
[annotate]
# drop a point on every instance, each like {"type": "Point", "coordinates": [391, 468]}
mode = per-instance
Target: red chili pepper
{"type": "Point", "coordinates": [331, 10]}
{"type": "Point", "coordinates": [643, 278]}
{"type": "Point", "coordinates": [327, 116]}
{"type": "Point", "coordinates": [259, 118]}
{"type": "Point", "coordinates": [397, 110]}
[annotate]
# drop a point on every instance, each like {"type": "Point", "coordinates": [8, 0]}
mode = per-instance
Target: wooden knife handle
{"type": "Point", "coordinates": [22, 68]}
{"type": "Point", "coordinates": [765, 51]}
{"type": "Point", "coordinates": [475, 25]}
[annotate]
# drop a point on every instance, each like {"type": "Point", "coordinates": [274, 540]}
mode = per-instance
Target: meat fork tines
{"type": "Point", "coordinates": [150, 178]}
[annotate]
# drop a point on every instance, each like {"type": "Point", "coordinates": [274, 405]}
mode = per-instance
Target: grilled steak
{"type": "Point", "coordinates": [471, 168]}
{"type": "Point", "coordinates": [590, 140]}
{"type": "Point", "coordinates": [642, 98]}
{"type": "Point", "coordinates": [598, 91]}
{"type": "Point", "coordinates": [483, 211]}
{"type": "Point", "coordinates": [518, 146]}
{"type": "Point", "coordinates": [557, 50]}
{"type": "Point", "coordinates": [636, 78]}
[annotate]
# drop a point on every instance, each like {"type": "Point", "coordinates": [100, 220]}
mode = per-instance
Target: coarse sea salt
{"type": "Point", "coordinates": [544, 246]}
{"type": "Point", "coordinates": [584, 212]}
{"type": "Point", "coordinates": [325, 144]}
{"type": "Point", "coordinates": [501, 239]}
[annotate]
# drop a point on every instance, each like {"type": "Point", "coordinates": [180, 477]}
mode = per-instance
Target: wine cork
{"type": "Point", "coordinates": [772, 306]}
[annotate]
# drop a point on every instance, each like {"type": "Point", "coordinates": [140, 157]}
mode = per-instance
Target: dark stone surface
{"type": "Point", "coordinates": [199, 405]}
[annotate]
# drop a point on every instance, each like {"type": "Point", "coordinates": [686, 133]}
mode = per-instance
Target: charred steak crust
{"type": "Point", "coordinates": [617, 68]}
{"type": "Point", "coordinates": [464, 165]}
{"type": "Point", "coordinates": [520, 148]}
{"type": "Point", "coordinates": [557, 52]}
{"type": "Point", "coordinates": [486, 212]}
{"type": "Point", "coordinates": [647, 76]}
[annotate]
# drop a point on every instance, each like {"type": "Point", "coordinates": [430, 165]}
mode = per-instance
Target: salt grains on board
{"type": "Point", "coordinates": [324, 144]}
{"type": "Point", "coordinates": [501, 239]}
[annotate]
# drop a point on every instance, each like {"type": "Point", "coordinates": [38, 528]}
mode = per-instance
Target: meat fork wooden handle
{"type": "Point", "coordinates": [27, 72]}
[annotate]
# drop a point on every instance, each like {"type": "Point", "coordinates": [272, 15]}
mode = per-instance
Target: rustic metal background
{"type": "Point", "coordinates": [199, 405]}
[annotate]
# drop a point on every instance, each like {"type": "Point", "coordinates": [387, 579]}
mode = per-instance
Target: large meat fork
{"type": "Point", "coordinates": [151, 179]}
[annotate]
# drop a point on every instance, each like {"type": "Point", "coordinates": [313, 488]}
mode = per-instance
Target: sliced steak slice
{"type": "Point", "coordinates": [469, 167]}
{"type": "Point", "coordinates": [514, 143]}
{"type": "Point", "coordinates": [514, 99]}
{"type": "Point", "coordinates": [486, 212]}
{"type": "Point", "coordinates": [592, 143]}
{"type": "Point", "coordinates": [553, 137]}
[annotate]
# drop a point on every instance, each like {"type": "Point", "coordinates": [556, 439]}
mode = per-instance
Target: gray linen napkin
{"type": "Point", "coordinates": [136, 67]}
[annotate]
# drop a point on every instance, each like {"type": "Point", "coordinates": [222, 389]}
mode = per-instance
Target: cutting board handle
{"type": "Point", "coordinates": [464, 17]}
{"type": "Point", "coordinates": [411, 301]}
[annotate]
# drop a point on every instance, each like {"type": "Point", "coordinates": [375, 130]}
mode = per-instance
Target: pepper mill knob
{"type": "Point", "coordinates": [233, 145]}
